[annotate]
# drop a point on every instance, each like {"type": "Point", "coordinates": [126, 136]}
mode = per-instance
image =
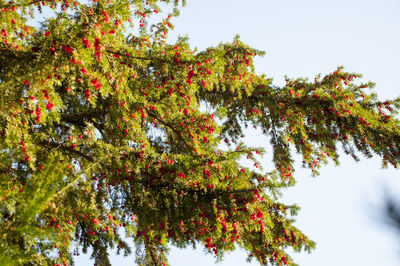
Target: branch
{"type": "Point", "coordinates": [98, 127]}
{"type": "Point", "coordinates": [75, 117]}
{"type": "Point", "coordinates": [135, 57]}
{"type": "Point", "coordinates": [150, 249]}
{"type": "Point", "coordinates": [9, 56]}
{"type": "Point", "coordinates": [65, 188]}
{"type": "Point", "coordinates": [21, 5]}
{"type": "Point", "coordinates": [169, 126]}
{"type": "Point", "coordinates": [68, 149]}
{"type": "Point", "coordinates": [146, 58]}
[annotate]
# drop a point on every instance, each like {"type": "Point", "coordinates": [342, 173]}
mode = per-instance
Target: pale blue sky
{"type": "Point", "coordinates": [303, 38]}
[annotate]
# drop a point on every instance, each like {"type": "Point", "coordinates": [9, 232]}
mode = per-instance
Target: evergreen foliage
{"type": "Point", "coordinates": [104, 133]}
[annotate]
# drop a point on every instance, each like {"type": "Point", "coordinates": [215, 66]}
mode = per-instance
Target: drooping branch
{"type": "Point", "coordinates": [150, 248]}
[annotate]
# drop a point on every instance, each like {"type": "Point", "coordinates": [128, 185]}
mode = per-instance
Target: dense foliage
{"type": "Point", "coordinates": [109, 133]}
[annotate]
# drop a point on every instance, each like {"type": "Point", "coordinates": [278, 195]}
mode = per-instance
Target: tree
{"type": "Point", "coordinates": [106, 128]}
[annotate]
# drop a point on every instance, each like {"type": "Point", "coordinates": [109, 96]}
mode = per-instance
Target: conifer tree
{"type": "Point", "coordinates": [105, 136]}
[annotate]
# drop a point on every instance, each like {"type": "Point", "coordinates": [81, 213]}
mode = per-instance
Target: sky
{"type": "Point", "coordinates": [341, 208]}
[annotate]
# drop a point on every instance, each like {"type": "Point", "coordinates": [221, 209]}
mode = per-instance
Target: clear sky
{"type": "Point", "coordinates": [339, 208]}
